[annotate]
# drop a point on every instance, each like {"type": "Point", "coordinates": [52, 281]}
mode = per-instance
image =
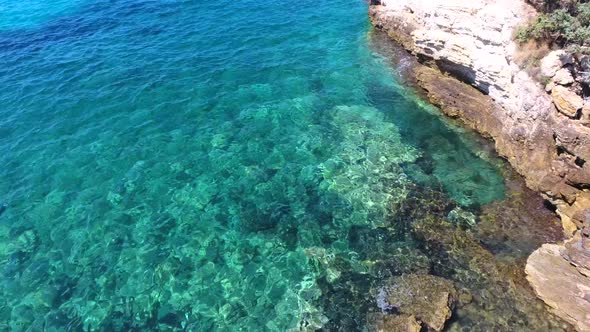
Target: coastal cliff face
{"type": "Point", "coordinates": [471, 73]}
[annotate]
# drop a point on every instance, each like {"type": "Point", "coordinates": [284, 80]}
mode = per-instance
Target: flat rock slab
{"type": "Point", "coordinates": [560, 285]}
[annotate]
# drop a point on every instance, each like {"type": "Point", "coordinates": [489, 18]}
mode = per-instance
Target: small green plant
{"type": "Point", "coordinates": [567, 27]}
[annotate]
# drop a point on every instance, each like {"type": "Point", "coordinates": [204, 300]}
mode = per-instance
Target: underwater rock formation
{"type": "Point", "coordinates": [428, 298]}
{"type": "Point", "coordinates": [393, 323]}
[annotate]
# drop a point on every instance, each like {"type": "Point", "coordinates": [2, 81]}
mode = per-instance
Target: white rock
{"type": "Point", "coordinates": [554, 61]}
{"type": "Point", "coordinates": [563, 77]}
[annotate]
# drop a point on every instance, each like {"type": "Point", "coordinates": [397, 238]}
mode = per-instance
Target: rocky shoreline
{"type": "Point", "coordinates": [467, 64]}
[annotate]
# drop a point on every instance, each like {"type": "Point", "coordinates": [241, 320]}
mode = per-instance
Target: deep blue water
{"type": "Point", "coordinates": [206, 165]}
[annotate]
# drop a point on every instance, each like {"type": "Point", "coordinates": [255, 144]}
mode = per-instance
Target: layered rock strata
{"type": "Point", "coordinates": [541, 126]}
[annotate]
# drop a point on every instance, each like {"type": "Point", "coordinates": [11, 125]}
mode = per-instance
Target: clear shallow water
{"type": "Point", "coordinates": [205, 165]}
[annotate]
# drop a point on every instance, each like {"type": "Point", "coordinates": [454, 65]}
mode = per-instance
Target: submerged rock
{"type": "Point", "coordinates": [428, 298]}
{"type": "Point", "coordinates": [391, 323]}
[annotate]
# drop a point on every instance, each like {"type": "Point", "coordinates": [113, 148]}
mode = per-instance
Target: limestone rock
{"type": "Point", "coordinates": [563, 77]}
{"type": "Point", "coordinates": [566, 101]}
{"type": "Point", "coordinates": [560, 285]}
{"type": "Point", "coordinates": [554, 61]}
{"type": "Point", "coordinates": [430, 299]}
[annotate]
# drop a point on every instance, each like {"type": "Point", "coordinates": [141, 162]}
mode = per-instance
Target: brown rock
{"type": "Point", "coordinates": [560, 285]}
{"type": "Point", "coordinates": [575, 139]}
{"type": "Point", "coordinates": [430, 299]}
{"type": "Point", "coordinates": [566, 101]}
{"type": "Point", "coordinates": [569, 227]}
{"type": "Point", "coordinates": [577, 212]}
{"type": "Point", "coordinates": [393, 323]}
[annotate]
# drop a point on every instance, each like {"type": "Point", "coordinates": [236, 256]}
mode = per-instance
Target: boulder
{"type": "Point", "coordinates": [555, 61]}
{"type": "Point", "coordinates": [560, 285]}
{"type": "Point", "coordinates": [566, 101]}
{"type": "Point", "coordinates": [429, 298]}
{"type": "Point", "coordinates": [563, 77]}
{"type": "Point", "coordinates": [583, 73]}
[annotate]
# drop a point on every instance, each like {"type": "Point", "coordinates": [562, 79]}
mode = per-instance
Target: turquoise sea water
{"type": "Point", "coordinates": [209, 165]}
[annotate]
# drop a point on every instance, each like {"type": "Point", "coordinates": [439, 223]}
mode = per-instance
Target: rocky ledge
{"type": "Point", "coordinates": [470, 68]}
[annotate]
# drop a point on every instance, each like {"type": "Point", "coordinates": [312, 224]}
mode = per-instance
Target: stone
{"type": "Point", "coordinates": [578, 212]}
{"type": "Point", "coordinates": [393, 323]}
{"type": "Point", "coordinates": [566, 101]}
{"type": "Point", "coordinates": [569, 227]}
{"type": "Point", "coordinates": [560, 285]}
{"type": "Point", "coordinates": [563, 77]}
{"type": "Point", "coordinates": [429, 298]}
{"type": "Point", "coordinates": [583, 73]}
{"type": "Point", "coordinates": [586, 112]}
{"type": "Point", "coordinates": [576, 252]}
{"type": "Point", "coordinates": [555, 61]}
{"type": "Point", "coordinates": [462, 217]}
